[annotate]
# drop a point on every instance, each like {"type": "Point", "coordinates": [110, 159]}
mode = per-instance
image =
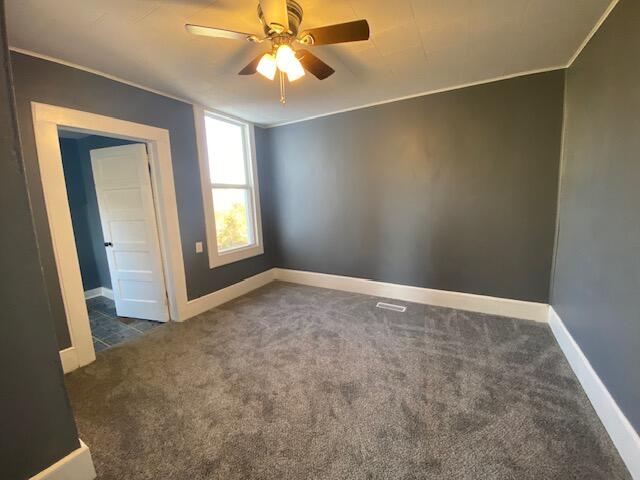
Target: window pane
{"type": "Point", "coordinates": [226, 151]}
{"type": "Point", "coordinates": [233, 218]}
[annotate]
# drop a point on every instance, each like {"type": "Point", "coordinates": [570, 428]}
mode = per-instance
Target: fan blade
{"type": "Point", "coordinates": [275, 14]}
{"type": "Point", "coordinates": [314, 65]}
{"type": "Point", "coordinates": [217, 32]}
{"type": "Point", "coordinates": [339, 33]}
{"type": "Point", "coordinates": [252, 67]}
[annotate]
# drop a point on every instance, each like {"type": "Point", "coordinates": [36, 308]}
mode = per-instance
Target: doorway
{"type": "Point", "coordinates": [113, 216]}
{"type": "Point", "coordinates": [47, 121]}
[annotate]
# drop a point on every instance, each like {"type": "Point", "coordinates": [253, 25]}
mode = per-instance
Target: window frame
{"type": "Point", "coordinates": [218, 258]}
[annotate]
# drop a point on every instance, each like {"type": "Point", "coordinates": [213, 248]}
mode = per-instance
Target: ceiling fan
{"type": "Point", "coordinates": [281, 21]}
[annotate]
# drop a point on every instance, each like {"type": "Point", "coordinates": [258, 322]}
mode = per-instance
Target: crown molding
{"type": "Point", "coordinates": [593, 31]}
{"type": "Point", "coordinates": [59, 61]}
{"type": "Point", "coordinates": [95, 72]}
{"type": "Point", "coordinates": [596, 27]}
{"type": "Point", "coordinates": [423, 94]}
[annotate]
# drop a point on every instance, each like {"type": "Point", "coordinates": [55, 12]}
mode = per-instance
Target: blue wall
{"type": "Point", "coordinates": [76, 161]}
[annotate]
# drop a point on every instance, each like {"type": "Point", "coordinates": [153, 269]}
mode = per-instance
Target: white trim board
{"type": "Point", "coordinates": [214, 299]}
{"type": "Point", "coordinates": [78, 465]}
{"type": "Point", "coordinates": [624, 437]}
{"type": "Point", "coordinates": [82, 68]}
{"type": "Point", "coordinates": [69, 359]}
{"type": "Point", "coordinates": [422, 94]}
{"type": "Point", "coordinates": [593, 31]}
{"type": "Point", "coordinates": [461, 301]}
{"type": "Point", "coordinates": [98, 292]}
{"type": "Point", "coordinates": [59, 61]}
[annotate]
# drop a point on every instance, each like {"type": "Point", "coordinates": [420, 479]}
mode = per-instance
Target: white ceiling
{"type": "Point", "coordinates": [416, 46]}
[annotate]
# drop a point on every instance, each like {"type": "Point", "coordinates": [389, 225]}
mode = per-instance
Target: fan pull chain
{"type": "Point", "coordinates": [283, 96]}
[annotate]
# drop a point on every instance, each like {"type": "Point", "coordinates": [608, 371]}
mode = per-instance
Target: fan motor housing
{"type": "Point", "coordinates": [295, 18]}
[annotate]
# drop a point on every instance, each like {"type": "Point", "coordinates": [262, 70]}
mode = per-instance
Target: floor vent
{"type": "Point", "coordinates": [391, 306]}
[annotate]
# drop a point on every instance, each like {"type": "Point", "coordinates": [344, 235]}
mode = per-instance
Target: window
{"type": "Point", "coordinates": [229, 188]}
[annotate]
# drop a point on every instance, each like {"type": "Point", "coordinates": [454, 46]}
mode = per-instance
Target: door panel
{"type": "Point", "coordinates": [127, 214]}
{"type": "Point", "coordinates": [132, 261]}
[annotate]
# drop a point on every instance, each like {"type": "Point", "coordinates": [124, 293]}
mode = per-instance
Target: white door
{"type": "Point", "coordinates": [125, 201]}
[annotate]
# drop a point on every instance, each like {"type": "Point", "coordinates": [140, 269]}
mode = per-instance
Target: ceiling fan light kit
{"type": "Point", "coordinates": [281, 21]}
{"type": "Point", "coordinates": [267, 66]}
{"type": "Point", "coordinates": [287, 62]}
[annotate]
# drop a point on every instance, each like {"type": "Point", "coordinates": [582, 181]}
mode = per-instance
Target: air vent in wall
{"type": "Point", "coordinates": [391, 306]}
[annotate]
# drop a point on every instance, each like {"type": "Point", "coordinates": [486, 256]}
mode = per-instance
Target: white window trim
{"type": "Point", "coordinates": [217, 259]}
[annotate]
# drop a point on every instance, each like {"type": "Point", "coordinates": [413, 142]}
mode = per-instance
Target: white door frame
{"type": "Point", "coordinates": [46, 120]}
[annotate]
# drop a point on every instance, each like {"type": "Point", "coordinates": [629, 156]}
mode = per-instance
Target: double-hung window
{"type": "Point", "coordinates": [229, 188]}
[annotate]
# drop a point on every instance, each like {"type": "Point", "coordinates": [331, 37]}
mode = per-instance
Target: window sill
{"type": "Point", "coordinates": [219, 259]}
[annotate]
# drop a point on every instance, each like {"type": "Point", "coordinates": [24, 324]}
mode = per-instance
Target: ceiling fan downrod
{"type": "Point", "coordinates": [283, 95]}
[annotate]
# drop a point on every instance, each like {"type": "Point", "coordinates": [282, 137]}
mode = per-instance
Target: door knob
{"type": "Point", "coordinates": [108, 244]}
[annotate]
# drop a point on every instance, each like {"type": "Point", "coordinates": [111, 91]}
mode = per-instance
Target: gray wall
{"type": "Point", "coordinates": [37, 426]}
{"type": "Point", "coordinates": [596, 288]}
{"type": "Point", "coordinates": [47, 82]}
{"type": "Point", "coordinates": [83, 203]}
{"type": "Point", "coordinates": [453, 191]}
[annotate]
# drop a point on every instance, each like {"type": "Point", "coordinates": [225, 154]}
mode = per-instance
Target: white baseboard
{"type": "Point", "coordinates": [98, 292]}
{"type": "Point", "coordinates": [93, 293]}
{"type": "Point", "coordinates": [623, 435]}
{"type": "Point", "coordinates": [78, 465]}
{"type": "Point", "coordinates": [214, 299]}
{"type": "Point", "coordinates": [462, 301]}
{"type": "Point", "coordinates": [69, 359]}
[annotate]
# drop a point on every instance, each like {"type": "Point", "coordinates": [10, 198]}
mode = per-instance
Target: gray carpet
{"type": "Point", "coordinates": [296, 382]}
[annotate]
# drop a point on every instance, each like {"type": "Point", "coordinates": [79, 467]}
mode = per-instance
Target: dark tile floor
{"type": "Point", "coordinates": [108, 329]}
